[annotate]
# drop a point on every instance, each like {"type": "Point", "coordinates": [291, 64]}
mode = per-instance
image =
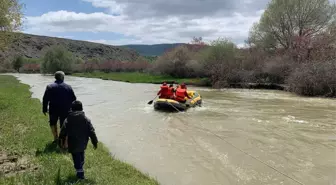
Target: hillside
{"type": "Point", "coordinates": [33, 46]}
{"type": "Point", "coordinates": [152, 50]}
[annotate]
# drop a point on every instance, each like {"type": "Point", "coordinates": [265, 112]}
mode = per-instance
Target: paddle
{"type": "Point", "coordinates": [150, 102]}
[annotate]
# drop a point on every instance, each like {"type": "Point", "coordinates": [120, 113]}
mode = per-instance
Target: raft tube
{"type": "Point", "coordinates": [173, 105]}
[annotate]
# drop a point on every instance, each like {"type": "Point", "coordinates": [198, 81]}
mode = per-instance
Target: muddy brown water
{"type": "Point", "coordinates": [294, 135]}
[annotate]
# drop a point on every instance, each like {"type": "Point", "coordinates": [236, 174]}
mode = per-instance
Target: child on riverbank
{"type": "Point", "coordinates": [78, 129]}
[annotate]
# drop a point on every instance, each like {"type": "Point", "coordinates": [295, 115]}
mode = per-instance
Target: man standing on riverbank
{"type": "Point", "coordinates": [59, 96]}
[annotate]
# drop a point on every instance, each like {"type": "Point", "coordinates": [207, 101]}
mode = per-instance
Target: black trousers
{"type": "Point", "coordinates": [78, 160]}
{"type": "Point", "coordinates": [53, 118]}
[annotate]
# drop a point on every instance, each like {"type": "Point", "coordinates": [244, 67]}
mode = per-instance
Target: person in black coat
{"type": "Point", "coordinates": [59, 97]}
{"type": "Point", "coordinates": [77, 128]}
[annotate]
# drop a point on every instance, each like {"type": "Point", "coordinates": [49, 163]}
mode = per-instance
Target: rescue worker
{"type": "Point", "coordinates": [164, 91]}
{"type": "Point", "coordinates": [181, 93]}
{"type": "Point", "coordinates": [59, 97]}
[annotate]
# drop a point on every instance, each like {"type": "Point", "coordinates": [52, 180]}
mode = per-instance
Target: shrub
{"type": "Point", "coordinates": [32, 60]}
{"type": "Point", "coordinates": [31, 68]}
{"type": "Point", "coordinates": [18, 63]}
{"type": "Point", "coordinates": [179, 62]}
{"type": "Point", "coordinates": [31, 65]}
{"type": "Point", "coordinates": [276, 70]}
{"type": "Point", "coordinates": [79, 61]}
{"type": "Point", "coordinates": [241, 76]}
{"type": "Point", "coordinates": [314, 79]}
{"type": "Point", "coordinates": [5, 65]}
{"type": "Point", "coordinates": [140, 65]}
{"type": "Point", "coordinates": [57, 58]}
{"type": "Point", "coordinates": [253, 58]}
{"type": "Point", "coordinates": [220, 60]}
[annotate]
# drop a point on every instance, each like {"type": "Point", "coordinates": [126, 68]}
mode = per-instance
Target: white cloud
{"type": "Point", "coordinates": [113, 6]}
{"type": "Point", "coordinates": [138, 9]}
{"type": "Point", "coordinates": [156, 21]}
{"type": "Point", "coordinates": [61, 21]}
{"type": "Point", "coordinates": [119, 42]}
{"type": "Point", "coordinates": [148, 30]}
{"type": "Point", "coordinates": [99, 41]}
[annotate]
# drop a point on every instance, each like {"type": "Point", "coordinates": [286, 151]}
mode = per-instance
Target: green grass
{"type": "Point", "coordinates": [135, 77]}
{"type": "Point", "coordinates": [25, 133]}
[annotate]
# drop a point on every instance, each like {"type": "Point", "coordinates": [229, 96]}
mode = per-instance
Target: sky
{"type": "Point", "coordinates": [120, 22]}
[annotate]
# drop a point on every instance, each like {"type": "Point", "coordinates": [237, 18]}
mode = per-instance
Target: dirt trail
{"type": "Point", "coordinates": [11, 164]}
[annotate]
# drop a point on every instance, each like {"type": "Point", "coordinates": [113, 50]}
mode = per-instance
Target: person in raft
{"type": "Point", "coordinates": [78, 129]}
{"type": "Point", "coordinates": [181, 93]}
{"type": "Point", "coordinates": [171, 91]}
{"type": "Point", "coordinates": [165, 91]}
{"type": "Point", "coordinates": [59, 97]}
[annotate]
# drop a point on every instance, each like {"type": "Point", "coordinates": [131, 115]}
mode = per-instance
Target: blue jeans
{"type": "Point", "coordinates": [78, 160]}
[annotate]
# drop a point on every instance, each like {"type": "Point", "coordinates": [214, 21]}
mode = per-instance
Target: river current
{"type": "Point", "coordinates": [237, 137]}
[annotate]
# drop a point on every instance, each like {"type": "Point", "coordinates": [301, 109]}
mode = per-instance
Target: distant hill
{"type": "Point", "coordinates": [34, 46]}
{"type": "Point", "coordinates": [152, 50]}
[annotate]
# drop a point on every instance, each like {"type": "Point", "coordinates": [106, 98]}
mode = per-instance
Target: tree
{"type": "Point", "coordinates": [10, 21]}
{"type": "Point", "coordinates": [261, 39]}
{"type": "Point", "coordinates": [197, 41]}
{"type": "Point", "coordinates": [18, 63]}
{"type": "Point", "coordinates": [196, 44]}
{"type": "Point", "coordinates": [220, 60]}
{"type": "Point", "coordinates": [285, 19]}
{"type": "Point", "coordinates": [79, 60]}
{"type": "Point", "coordinates": [57, 58]}
{"type": "Point", "coordinates": [179, 62]}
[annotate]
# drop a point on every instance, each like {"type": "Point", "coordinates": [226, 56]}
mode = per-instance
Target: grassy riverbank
{"type": "Point", "coordinates": [28, 157]}
{"type": "Point", "coordinates": [135, 77]}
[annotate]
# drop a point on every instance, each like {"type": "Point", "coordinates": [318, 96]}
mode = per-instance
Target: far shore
{"type": "Point", "coordinates": [133, 77]}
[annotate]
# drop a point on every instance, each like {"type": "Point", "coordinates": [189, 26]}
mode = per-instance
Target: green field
{"type": "Point", "coordinates": [28, 157]}
{"type": "Point", "coordinates": [134, 77]}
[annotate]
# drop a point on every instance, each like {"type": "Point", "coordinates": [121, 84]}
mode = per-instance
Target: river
{"type": "Point", "coordinates": [237, 137]}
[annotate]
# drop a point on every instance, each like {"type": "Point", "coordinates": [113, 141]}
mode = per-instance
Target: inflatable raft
{"type": "Point", "coordinates": [173, 105]}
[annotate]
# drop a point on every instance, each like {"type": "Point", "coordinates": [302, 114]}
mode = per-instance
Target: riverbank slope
{"type": "Point", "coordinates": [28, 157]}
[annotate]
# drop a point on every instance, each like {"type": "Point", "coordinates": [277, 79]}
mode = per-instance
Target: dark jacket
{"type": "Point", "coordinates": [79, 129]}
{"type": "Point", "coordinates": [59, 97]}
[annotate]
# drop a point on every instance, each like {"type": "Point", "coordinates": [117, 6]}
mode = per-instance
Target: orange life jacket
{"type": "Point", "coordinates": [170, 92]}
{"type": "Point", "coordinates": [164, 91]}
{"type": "Point", "coordinates": [180, 94]}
